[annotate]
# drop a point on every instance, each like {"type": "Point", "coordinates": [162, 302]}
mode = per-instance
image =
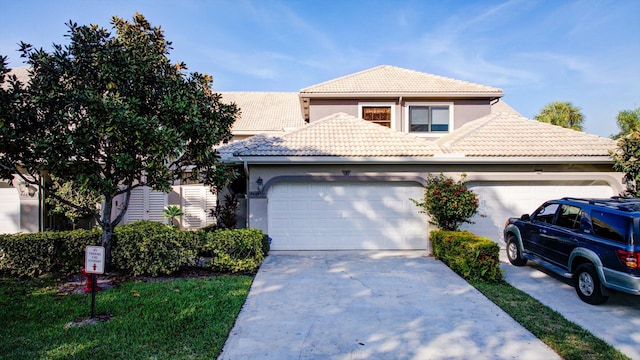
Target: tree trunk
{"type": "Point", "coordinates": [107, 233]}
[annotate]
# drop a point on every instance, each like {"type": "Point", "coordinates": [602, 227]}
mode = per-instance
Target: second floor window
{"type": "Point", "coordinates": [380, 115]}
{"type": "Point", "coordinates": [428, 118]}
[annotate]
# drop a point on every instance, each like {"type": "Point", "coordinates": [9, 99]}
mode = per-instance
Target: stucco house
{"type": "Point", "coordinates": [344, 180]}
{"type": "Point", "coordinates": [334, 166]}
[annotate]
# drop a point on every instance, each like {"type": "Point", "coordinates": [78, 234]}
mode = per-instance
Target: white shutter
{"type": "Point", "coordinates": [196, 204]}
{"type": "Point", "coordinates": [9, 210]}
{"type": "Point", "coordinates": [146, 204]}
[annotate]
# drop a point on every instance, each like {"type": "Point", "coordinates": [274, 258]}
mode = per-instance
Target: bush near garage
{"type": "Point", "coordinates": [37, 254]}
{"type": "Point", "coordinates": [473, 257]}
{"type": "Point", "coordinates": [152, 248]}
{"type": "Point", "coordinates": [235, 251]}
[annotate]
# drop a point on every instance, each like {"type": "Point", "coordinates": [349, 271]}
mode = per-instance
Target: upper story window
{"type": "Point", "coordinates": [380, 113]}
{"type": "Point", "coordinates": [429, 118]}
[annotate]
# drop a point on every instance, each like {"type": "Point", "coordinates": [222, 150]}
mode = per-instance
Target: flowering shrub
{"type": "Point", "coordinates": [448, 202]}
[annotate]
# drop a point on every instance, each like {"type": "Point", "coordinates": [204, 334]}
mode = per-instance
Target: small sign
{"type": "Point", "coordinates": [94, 260]}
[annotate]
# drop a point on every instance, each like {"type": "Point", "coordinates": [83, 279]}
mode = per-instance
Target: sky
{"type": "Point", "coordinates": [585, 52]}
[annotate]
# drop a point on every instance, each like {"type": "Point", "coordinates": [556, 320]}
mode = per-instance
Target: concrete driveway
{"type": "Point", "coordinates": [371, 305]}
{"type": "Point", "coordinates": [617, 321]}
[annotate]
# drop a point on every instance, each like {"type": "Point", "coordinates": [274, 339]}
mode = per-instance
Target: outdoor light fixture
{"type": "Point", "coordinates": [25, 189]}
{"type": "Point", "coordinates": [260, 182]}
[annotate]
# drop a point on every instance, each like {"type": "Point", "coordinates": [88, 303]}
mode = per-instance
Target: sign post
{"type": "Point", "coordinates": [94, 264]}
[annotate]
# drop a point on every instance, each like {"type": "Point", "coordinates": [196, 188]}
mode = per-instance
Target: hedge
{"type": "Point", "coordinates": [139, 248]}
{"type": "Point", "coordinates": [33, 255]}
{"type": "Point", "coordinates": [472, 257]}
{"type": "Point", "coordinates": [234, 251]}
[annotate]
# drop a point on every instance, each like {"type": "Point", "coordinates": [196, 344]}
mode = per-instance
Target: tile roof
{"type": "Point", "coordinates": [265, 111]}
{"type": "Point", "coordinates": [338, 135]}
{"type": "Point", "coordinates": [386, 79]}
{"type": "Point", "coordinates": [502, 106]}
{"type": "Point", "coordinates": [508, 135]}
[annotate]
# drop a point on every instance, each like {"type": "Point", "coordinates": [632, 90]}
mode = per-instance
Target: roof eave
{"type": "Point", "coordinates": [448, 95]}
{"type": "Point", "coordinates": [436, 159]}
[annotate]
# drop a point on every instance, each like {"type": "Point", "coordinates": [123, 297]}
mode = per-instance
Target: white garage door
{"type": "Point", "coordinates": [501, 200]}
{"type": "Point", "coordinates": [345, 216]}
{"type": "Point", "coordinates": [9, 210]}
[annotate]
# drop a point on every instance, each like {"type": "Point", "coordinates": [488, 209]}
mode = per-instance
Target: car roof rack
{"type": "Point", "coordinates": [615, 202]}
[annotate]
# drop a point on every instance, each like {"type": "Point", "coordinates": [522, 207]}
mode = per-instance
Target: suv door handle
{"type": "Point", "coordinates": [543, 231]}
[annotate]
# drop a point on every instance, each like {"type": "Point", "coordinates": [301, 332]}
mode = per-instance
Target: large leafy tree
{"type": "Point", "coordinates": [626, 160]}
{"type": "Point", "coordinates": [109, 113]}
{"type": "Point", "coordinates": [628, 122]}
{"type": "Point", "coordinates": [562, 114]}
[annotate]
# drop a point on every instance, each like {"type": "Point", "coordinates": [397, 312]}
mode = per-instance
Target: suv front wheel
{"type": "Point", "coordinates": [587, 285]}
{"type": "Point", "coordinates": [513, 253]}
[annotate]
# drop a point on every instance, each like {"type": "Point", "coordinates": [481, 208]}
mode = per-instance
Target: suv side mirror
{"type": "Point", "coordinates": [525, 217]}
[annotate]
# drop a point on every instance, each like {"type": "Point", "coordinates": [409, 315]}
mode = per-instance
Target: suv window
{"type": "Point", "coordinates": [569, 217]}
{"type": "Point", "coordinates": [611, 226]}
{"type": "Point", "coordinates": [545, 213]}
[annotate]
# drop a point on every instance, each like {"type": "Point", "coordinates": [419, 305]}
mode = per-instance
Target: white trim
{"type": "Point", "coordinates": [405, 115]}
{"type": "Point", "coordinates": [390, 104]}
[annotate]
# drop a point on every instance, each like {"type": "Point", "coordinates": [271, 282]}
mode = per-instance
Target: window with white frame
{"type": "Point", "coordinates": [381, 113]}
{"type": "Point", "coordinates": [429, 118]}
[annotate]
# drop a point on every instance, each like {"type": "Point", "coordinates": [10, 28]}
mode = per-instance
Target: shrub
{"type": "Point", "coordinates": [449, 203]}
{"type": "Point", "coordinates": [240, 250]}
{"type": "Point", "coordinates": [151, 248]}
{"type": "Point", "coordinates": [36, 254]}
{"type": "Point", "coordinates": [472, 257]}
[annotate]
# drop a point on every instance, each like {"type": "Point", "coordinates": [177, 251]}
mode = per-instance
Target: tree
{"type": "Point", "coordinates": [81, 199]}
{"type": "Point", "coordinates": [172, 212]}
{"type": "Point", "coordinates": [562, 114]}
{"type": "Point", "coordinates": [628, 122]}
{"type": "Point", "coordinates": [625, 160]}
{"type": "Point", "coordinates": [449, 203]}
{"type": "Point", "coordinates": [111, 113]}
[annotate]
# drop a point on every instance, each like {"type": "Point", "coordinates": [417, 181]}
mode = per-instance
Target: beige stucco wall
{"type": "Point", "coordinates": [463, 110]}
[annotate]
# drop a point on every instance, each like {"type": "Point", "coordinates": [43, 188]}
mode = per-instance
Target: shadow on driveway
{"type": "Point", "coordinates": [371, 305]}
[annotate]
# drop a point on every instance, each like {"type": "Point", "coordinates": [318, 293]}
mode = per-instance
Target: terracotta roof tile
{"type": "Point", "coordinates": [505, 135]}
{"type": "Point", "coordinates": [387, 79]}
{"type": "Point", "coordinates": [340, 135]}
{"type": "Point", "coordinates": [265, 111]}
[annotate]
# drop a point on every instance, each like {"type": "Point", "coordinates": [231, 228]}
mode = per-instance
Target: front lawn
{"type": "Point", "coordinates": [177, 319]}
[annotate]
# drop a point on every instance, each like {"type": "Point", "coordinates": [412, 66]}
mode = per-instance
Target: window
{"type": "Point", "coordinates": [611, 226]}
{"type": "Point", "coordinates": [545, 213]}
{"type": "Point", "coordinates": [429, 118]}
{"type": "Point", "coordinates": [378, 113]}
{"type": "Point", "coordinates": [569, 217]}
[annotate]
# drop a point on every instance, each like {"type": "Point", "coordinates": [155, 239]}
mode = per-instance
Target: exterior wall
{"type": "Point", "coordinates": [322, 108]}
{"type": "Point", "coordinates": [464, 111]}
{"type": "Point", "coordinates": [525, 174]}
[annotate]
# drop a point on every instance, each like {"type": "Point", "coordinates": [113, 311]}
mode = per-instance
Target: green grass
{"type": "Point", "coordinates": [177, 319]}
{"type": "Point", "coordinates": [565, 337]}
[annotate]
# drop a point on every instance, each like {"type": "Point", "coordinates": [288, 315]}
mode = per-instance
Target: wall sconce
{"type": "Point", "coordinates": [26, 190]}
{"type": "Point", "coordinates": [346, 172]}
{"type": "Point", "coordinates": [260, 182]}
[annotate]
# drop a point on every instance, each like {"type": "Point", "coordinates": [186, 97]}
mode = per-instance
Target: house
{"type": "Point", "coordinates": [345, 179]}
{"type": "Point", "coordinates": [335, 165]}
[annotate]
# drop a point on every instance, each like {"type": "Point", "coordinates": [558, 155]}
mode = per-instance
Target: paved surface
{"type": "Point", "coordinates": [617, 321]}
{"type": "Point", "coordinates": [371, 305]}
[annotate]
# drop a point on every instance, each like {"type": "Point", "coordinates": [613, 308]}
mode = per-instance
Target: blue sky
{"type": "Point", "coordinates": [586, 52]}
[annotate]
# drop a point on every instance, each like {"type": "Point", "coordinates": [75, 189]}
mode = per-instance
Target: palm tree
{"type": "Point", "coordinates": [562, 114]}
{"type": "Point", "coordinates": [172, 212]}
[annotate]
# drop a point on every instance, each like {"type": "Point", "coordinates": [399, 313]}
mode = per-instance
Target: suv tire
{"type": "Point", "coordinates": [513, 252]}
{"type": "Point", "coordinates": [587, 285]}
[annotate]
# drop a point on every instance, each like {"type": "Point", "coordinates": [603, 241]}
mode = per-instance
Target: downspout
{"type": "Point", "coordinates": [246, 205]}
{"type": "Point", "coordinates": [401, 114]}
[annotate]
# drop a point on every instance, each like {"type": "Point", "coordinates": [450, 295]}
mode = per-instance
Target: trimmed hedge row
{"type": "Point", "coordinates": [139, 248]}
{"type": "Point", "coordinates": [472, 257]}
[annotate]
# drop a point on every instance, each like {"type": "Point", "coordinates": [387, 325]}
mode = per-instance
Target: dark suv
{"type": "Point", "coordinates": [596, 242]}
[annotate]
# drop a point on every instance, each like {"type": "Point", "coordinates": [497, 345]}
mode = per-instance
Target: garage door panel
{"type": "Point", "coordinates": [500, 200]}
{"type": "Point", "coordinates": [345, 216]}
{"type": "Point", "coordinates": [9, 210]}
